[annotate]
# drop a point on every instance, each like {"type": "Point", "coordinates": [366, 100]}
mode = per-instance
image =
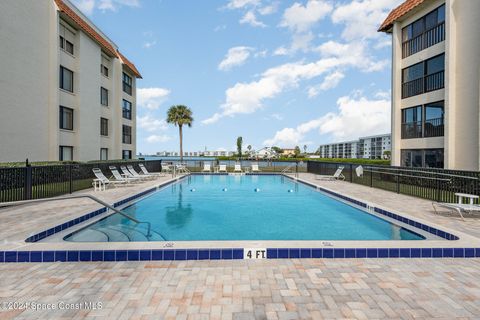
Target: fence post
{"type": "Point", "coordinates": [27, 189]}
{"type": "Point", "coordinates": [371, 177]}
{"type": "Point", "coordinates": [351, 172]}
{"type": "Point", "coordinates": [438, 189]}
{"type": "Point", "coordinates": [397, 177]}
{"type": "Point", "coordinates": [70, 178]}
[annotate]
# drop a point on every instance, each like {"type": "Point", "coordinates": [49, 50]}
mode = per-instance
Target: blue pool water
{"type": "Point", "coordinates": [252, 207]}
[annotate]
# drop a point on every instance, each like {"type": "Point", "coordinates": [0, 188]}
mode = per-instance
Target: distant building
{"type": "Point", "coordinates": [288, 152]}
{"type": "Point", "coordinates": [372, 147]}
{"type": "Point", "coordinates": [266, 153]}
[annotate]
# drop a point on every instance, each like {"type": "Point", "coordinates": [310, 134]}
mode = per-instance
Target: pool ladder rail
{"type": "Point", "coordinates": [289, 168]}
{"type": "Point", "coordinates": [79, 196]}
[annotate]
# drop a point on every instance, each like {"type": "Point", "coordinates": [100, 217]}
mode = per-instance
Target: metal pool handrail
{"type": "Point", "coordinates": [17, 203]}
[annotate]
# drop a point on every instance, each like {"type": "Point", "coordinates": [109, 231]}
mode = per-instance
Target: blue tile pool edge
{"type": "Point", "coordinates": [231, 254]}
{"type": "Point", "coordinates": [61, 227]}
{"type": "Point", "coordinates": [435, 231]}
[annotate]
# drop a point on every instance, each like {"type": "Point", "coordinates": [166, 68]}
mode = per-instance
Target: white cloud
{"type": "Point", "coordinates": [329, 82]}
{"type": "Point", "coordinates": [150, 124]}
{"type": "Point", "coordinates": [245, 98]}
{"type": "Point", "coordinates": [151, 98]}
{"type": "Point", "coordinates": [362, 18]}
{"type": "Point", "coordinates": [286, 137]}
{"type": "Point", "coordinates": [149, 44]}
{"type": "Point", "coordinates": [356, 116]}
{"type": "Point", "coordinates": [269, 9]}
{"type": "Point", "coordinates": [300, 18]}
{"type": "Point", "coordinates": [238, 4]}
{"type": "Point", "coordinates": [236, 56]}
{"type": "Point", "coordinates": [251, 19]}
{"type": "Point", "coordinates": [355, 51]}
{"type": "Point", "coordinates": [220, 28]}
{"type": "Point", "coordinates": [261, 54]}
{"type": "Point", "coordinates": [300, 42]}
{"type": "Point", "coordinates": [88, 6]}
{"type": "Point", "coordinates": [154, 138]}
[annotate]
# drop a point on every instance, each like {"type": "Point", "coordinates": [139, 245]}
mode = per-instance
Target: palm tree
{"type": "Point", "coordinates": [305, 149]}
{"type": "Point", "coordinates": [180, 115]}
{"type": "Point", "coordinates": [239, 146]}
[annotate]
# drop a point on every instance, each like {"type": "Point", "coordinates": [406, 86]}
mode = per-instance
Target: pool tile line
{"type": "Point", "coordinates": [121, 255]}
{"type": "Point", "coordinates": [232, 254]}
{"type": "Point", "coordinates": [413, 223]}
{"type": "Point", "coordinates": [59, 228]}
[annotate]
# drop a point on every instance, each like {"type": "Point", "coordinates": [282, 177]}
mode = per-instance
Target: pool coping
{"type": "Point", "coordinates": [460, 245]}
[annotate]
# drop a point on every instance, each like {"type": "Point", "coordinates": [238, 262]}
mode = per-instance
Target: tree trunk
{"type": "Point", "coordinates": [181, 142]}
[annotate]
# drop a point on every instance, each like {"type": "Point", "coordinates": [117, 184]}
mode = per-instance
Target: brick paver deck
{"type": "Point", "coordinates": [261, 289]}
{"type": "Point", "coordinates": [275, 289]}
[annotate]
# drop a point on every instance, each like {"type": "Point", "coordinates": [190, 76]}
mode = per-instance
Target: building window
{"type": "Point", "coordinates": [425, 158]}
{"type": "Point", "coordinates": [423, 33]}
{"type": "Point", "coordinates": [66, 79]}
{"type": "Point", "coordinates": [103, 154]}
{"type": "Point", "coordinates": [66, 153]}
{"type": "Point", "coordinates": [127, 109]}
{"type": "Point", "coordinates": [103, 127]}
{"type": "Point", "coordinates": [423, 77]}
{"type": "Point", "coordinates": [103, 96]}
{"type": "Point", "coordinates": [126, 154]}
{"type": "Point", "coordinates": [126, 134]}
{"type": "Point", "coordinates": [104, 70]}
{"type": "Point", "coordinates": [423, 121]}
{"type": "Point", "coordinates": [66, 38]}
{"type": "Point", "coordinates": [66, 118]}
{"type": "Point", "coordinates": [127, 83]}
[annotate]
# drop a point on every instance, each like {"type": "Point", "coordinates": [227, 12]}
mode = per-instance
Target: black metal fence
{"type": "Point", "coordinates": [429, 183]}
{"type": "Point", "coordinates": [35, 182]}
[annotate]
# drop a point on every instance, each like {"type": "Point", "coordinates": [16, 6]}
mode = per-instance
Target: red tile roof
{"type": "Point", "coordinates": [130, 65]}
{"type": "Point", "coordinates": [399, 12]}
{"type": "Point", "coordinates": [85, 27]}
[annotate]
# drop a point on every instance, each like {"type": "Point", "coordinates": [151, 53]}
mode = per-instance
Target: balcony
{"type": "Point", "coordinates": [424, 40]}
{"type": "Point", "coordinates": [419, 129]}
{"type": "Point", "coordinates": [431, 82]}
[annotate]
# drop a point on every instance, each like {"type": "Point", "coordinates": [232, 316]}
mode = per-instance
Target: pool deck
{"type": "Point", "coordinates": [240, 289]}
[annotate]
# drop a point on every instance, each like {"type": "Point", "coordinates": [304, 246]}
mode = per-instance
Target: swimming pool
{"type": "Point", "coordinates": [241, 207]}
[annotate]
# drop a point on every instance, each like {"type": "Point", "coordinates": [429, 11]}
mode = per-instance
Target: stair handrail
{"type": "Point", "coordinates": [78, 196]}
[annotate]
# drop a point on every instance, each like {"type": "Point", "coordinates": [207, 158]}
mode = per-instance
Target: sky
{"type": "Point", "coordinates": [281, 73]}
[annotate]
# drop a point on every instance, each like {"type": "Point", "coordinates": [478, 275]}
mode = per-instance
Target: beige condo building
{"type": "Point", "coordinates": [435, 83]}
{"type": "Point", "coordinates": [67, 93]}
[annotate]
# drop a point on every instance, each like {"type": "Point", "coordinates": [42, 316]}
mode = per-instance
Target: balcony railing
{"type": "Point", "coordinates": [433, 128]}
{"type": "Point", "coordinates": [424, 40]}
{"type": "Point", "coordinates": [431, 82]}
{"type": "Point", "coordinates": [417, 129]}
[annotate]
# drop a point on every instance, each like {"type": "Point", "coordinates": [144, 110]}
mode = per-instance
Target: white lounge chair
{"type": "Point", "coordinates": [145, 171]}
{"type": "Point", "coordinates": [182, 168]}
{"type": "Point", "coordinates": [101, 180]}
{"type": "Point", "coordinates": [132, 170]}
{"type": "Point", "coordinates": [237, 168]}
{"type": "Point", "coordinates": [207, 167]}
{"type": "Point", "coordinates": [255, 167]}
{"type": "Point", "coordinates": [336, 176]}
{"type": "Point", "coordinates": [119, 177]}
{"type": "Point", "coordinates": [459, 207]}
{"type": "Point", "coordinates": [166, 168]}
{"type": "Point", "coordinates": [222, 168]}
{"type": "Point", "coordinates": [128, 174]}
